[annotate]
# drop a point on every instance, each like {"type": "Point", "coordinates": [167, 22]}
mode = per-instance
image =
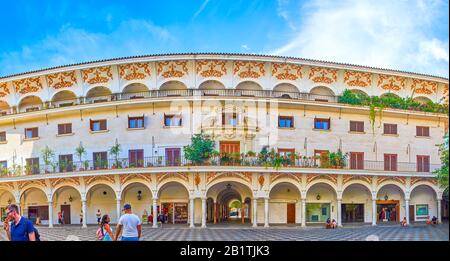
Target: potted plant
{"type": "Point", "coordinates": [98, 162]}
{"type": "Point", "coordinates": [115, 151]}
{"type": "Point", "coordinates": [80, 151]}
{"type": "Point", "coordinates": [47, 156]}
{"type": "Point", "coordinates": [62, 165]}
{"type": "Point", "coordinates": [28, 169]}
{"type": "Point", "coordinates": [86, 164]}
{"type": "Point", "coordinates": [199, 150]}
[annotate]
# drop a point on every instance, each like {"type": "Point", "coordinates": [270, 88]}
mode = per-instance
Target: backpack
{"type": "Point", "coordinates": [100, 234]}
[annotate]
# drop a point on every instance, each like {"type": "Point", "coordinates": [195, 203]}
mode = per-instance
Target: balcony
{"type": "Point", "coordinates": [179, 163]}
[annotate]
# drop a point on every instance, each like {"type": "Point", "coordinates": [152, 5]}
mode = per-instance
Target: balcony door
{"type": "Point", "coordinates": [229, 147]}
{"type": "Point", "coordinates": [173, 156]}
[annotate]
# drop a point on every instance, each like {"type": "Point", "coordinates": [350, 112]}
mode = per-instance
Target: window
{"type": "Point", "coordinates": [32, 109]}
{"type": "Point", "coordinates": [100, 160]}
{"type": "Point", "coordinates": [357, 126]}
{"type": "Point", "coordinates": [65, 128]}
{"type": "Point", "coordinates": [422, 131]}
{"type": "Point", "coordinates": [32, 166]}
{"type": "Point", "coordinates": [390, 162]}
{"type": "Point", "coordinates": [98, 125]}
{"type": "Point", "coordinates": [229, 119]}
{"type": "Point", "coordinates": [2, 136]}
{"type": "Point", "coordinates": [172, 120]}
{"type": "Point", "coordinates": [285, 121]}
{"type": "Point", "coordinates": [390, 129]}
{"type": "Point", "coordinates": [321, 124]}
{"type": "Point", "coordinates": [136, 122]}
{"type": "Point", "coordinates": [65, 163]}
{"type": "Point", "coordinates": [356, 160]}
{"type": "Point", "coordinates": [136, 158]}
{"type": "Point", "coordinates": [31, 133]}
{"type": "Point", "coordinates": [423, 163]}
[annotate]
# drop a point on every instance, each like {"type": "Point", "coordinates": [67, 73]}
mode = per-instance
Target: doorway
{"type": "Point", "coordinates": [65, 210]}
{"type": "Point", "coordinates": [291, 213]}
{"type": "Point", "coordinates": [412, 213]}
{"type": "Point", "coordinates": [388, 210]}
{"type": "Point", "coordinates": [352, 213]}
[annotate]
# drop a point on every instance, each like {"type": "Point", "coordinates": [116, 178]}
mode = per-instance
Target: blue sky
{"type": "Point", "coordinates": [411, 35]}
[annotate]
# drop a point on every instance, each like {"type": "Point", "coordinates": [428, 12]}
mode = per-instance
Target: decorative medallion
{"type": "Point", "coordinates": [261, 180]}
{"type": "Point", "coordinates": [4, 90]}
{"type": "Point", "coordinates": [323, 75]}
{"type": "Point", "coordinates": [62, 80]}
{"type": "Point", "coordinates": [391, 83]}
{"type": "Point", "coordinates": [446, 98]}
{"type": "Point", "coordinates": [284, 71]}
{"type": "Point", "coordinates": [172, 69]}
{"type": "Point", "coordinates": [248, 69]}
{"type": "Point", "coordinates": [211, 68]}
{"type": "Point", "coordinates": [197, 180]}
{"type": "Point", "coordinates": [107, 178]}
{"type": "Point", "coordinates": [358, 79]}
{"type": "Point", "coordinates": [423, 86]}
{"type": "Point", "coordinates": [134, 71]}
{"type": "Point", "coordinates": [127, 177]}
{"type": "Point", "coordinates": [28, 85]}
{"type": "Point", "coordinates": [97, 75]}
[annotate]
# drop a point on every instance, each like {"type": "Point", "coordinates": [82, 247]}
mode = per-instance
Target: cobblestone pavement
{"type": "Point", "coordinates": [419, 232]}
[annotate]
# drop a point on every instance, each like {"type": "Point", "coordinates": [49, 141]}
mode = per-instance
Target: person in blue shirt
{"type": "Point", "coordinates": [20, 229]}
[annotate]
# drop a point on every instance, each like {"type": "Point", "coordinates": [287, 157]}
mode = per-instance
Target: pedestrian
{"type": "Point", "coordinates": [17, 227]}
{"type": "Point", "coordinates": [60, 218]}
{"type": "Point", "coordinates": [99, 216]}
{"type": "Point", "coordinates": [104, 233]}
{"type": "Point", "coordinates": [130, 224]}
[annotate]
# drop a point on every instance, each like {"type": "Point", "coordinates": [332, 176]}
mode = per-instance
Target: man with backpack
{"type": "Point", "coordinates": [21, 228]}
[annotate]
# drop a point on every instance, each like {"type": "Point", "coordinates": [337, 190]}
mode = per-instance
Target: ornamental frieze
{"type": "Point", "coordinates": [125, 178]}
{"type": "Point", "coordinates": [295, 176]}
{"type": "Point", "coordinates": [39, 182]}
{"type": "Point", "coordinates": [249, 69]}
{"type": "Point", "coordinates": [357, 79]}
{"type": "Point", "coordinates": [28, 85]}
{"type": "Point", "coordinates": [7, 185]}
{"type": "Point", "coordinates": [284, 71]}
{"type": "Point", "coordinates": [211, 68]}
{"type": "Point", "coordinates": [391, 83]}
{"type": "Point", "coordinates": [415, 180]}
{"type": "Point", "coordinates": [134, 71]}
{"type": "Point", "coordinates": [246, 176]}
{"type": "Point", "coordinates": [423, 86]}
{"type": "Point", "coordinates": [323, 75]}
{"type": "Point", "coordinates": [72, 181]}
{"type": "Point", "coordinates": [62, 80]}
{"type": "Point", "coordinates": [172, 69]}
{"type": "Point", "coordinates": [401, 180]}
{"type": "Point", "coordinates": [330, 177]}
{"type": "Point", "coordinates": [162, 176]}
{"type": "Point", "coordinates": [4, 90]}
{"type": "Point", "coordinates": [445, 100]}
{"type": "Point", "coordinates": [107, 178]}
{"type": "Point", "coordinates": [348, 178]}
{"type": "Point", "coordinates": [97, 75]}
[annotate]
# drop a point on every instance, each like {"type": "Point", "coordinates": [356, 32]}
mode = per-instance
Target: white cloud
{"type": "Point", "coordinates": [389, 34]}
{"type": "Point", "coordinates": [73, 45]}
{"type": "Point", "coordinates": [245, 47]}
{"type": "Point", "coordinates": [202, 7]}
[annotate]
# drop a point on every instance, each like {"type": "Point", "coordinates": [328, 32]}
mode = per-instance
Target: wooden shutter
{"type": "Point", "coordinates": [387, 162]}
{"type": "Point", "coordinates": [360, 160]}
{"type": "Point", "coordinates": [132, 157]}
{"type": "Point", "coordinates": [394, 162]}
{"type": "Point", "coordinates": [360, 126]}
{"type": "Point", "coordinates": [103, 125]}
{"type": "Point", "coordinates": [394, 129]}
{"type": "Point", "coordinates": [419, 163]}
{"type": "Point", "coordinates": [353, 160]}
{"type": "Point", "coordinates": [426, 163]}
{"type": "Point", "coordinates": [91, 124]}
{"type": "Point", "coordinates": [60, 129]}
{"type": "Point", "coordinates": [426, 131]}
{"type": "Point", "coordinates": [419, 131]}
{"type": "Point", "coordinates": [69, 128]}
{"type": "Point", "coordinates": [353, 126]}
{"type": "Point", "coordinates": [140, 157]}
{"type": "Point", "coordinates": [35, 132]}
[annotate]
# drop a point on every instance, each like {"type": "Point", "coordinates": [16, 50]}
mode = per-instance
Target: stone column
{"type": "Point", "coordinates": [83, 208]}
{"type": "Point", "coordinates": [439, 211]}
{"type": "Point", "coordinates": [192, 213]}
{"type": "Point", "coordinates": [266, 212]}
{"type": "Point", "coordinates": [155, 213]}
{"type": "Point", "coordinates": [50, 214]}
{"type": "Point", "coordinates": [215, 212]}
{"type": "Point", "coordinates": [203, 212]}
{"type": "Point", "coordinates": [407, 211]}
{"type": "Point", "coordinates": [255, 216]}
{"type": "Point", "coordinates": [338, 211]}
{"type": "Point", "coordinates": [303, 212]}
{"type": "Point", "coordinates": [118, 209]}
{"type": "Point", "coordinates": [374, 212]}
{"type": "Point", "coordinates": [242, 212]}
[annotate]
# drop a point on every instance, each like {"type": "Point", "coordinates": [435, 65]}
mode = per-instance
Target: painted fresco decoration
{"type": "Point", "coordinates": [357, 79]}
{"type": "Point", "coordinates": [172, 69]}
{"type": "Point", "coordinates": [211, 68]}
{"type": "Point", "coordinates": [284, 71]}
{"type": "Point", "coordinates": [62, 80]}
{"type": "Point", "coordinates": [391, 83]}
{"type": "Point", "coordinates": [323, 75]}
{"type": "Point", "coordinates": [423, 86]}
{"type": "Point", "coordinates": [134, 71]}
{"type": "Point", "coordinates": [4, 90]}
{"type": "Point", "coordinates": [249, 69]}
{"type": "Point", "coordinates": [28, 85]}
{"type": "Point", "coordinates": [97, 75]}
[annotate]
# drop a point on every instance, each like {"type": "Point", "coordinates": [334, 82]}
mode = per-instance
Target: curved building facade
{"type": "Point", "coordinates": [92, 136]}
